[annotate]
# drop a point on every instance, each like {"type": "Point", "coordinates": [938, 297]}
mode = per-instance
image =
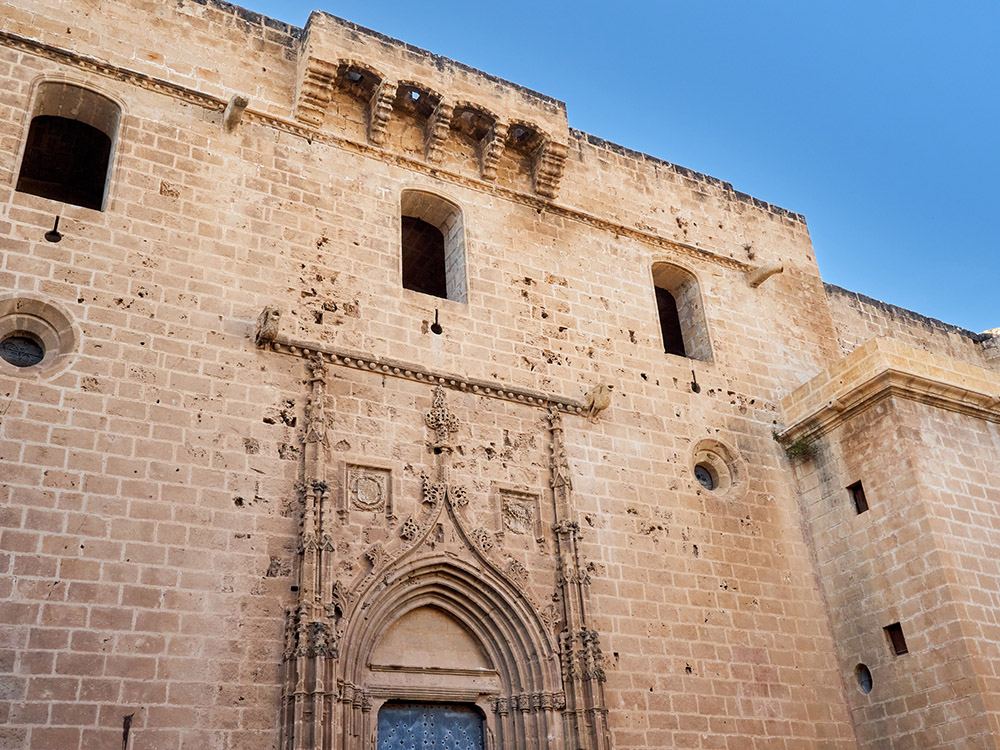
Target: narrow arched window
{"type": "Point", "coordinates": [432, 245]}
{"type": "Point", "coordinates": [683, 329]}
{"type": "Point", "coordinates": [68, 152]}
{"type": "Point", "coordinates": [670, 323]}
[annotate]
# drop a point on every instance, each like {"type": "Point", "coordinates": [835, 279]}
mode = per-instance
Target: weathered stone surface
{"type": "Point", "coordinates": [222, 532]}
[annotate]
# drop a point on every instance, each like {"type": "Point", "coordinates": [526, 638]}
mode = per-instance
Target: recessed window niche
{"type": "Point", "coordinates": [857, 492]}
{"type": "Point", "coordinates": [864, 677]}
{"type": "Point", "coordinates": [432, 244]}
{"type": "Point", "coordinates": [69, 150]}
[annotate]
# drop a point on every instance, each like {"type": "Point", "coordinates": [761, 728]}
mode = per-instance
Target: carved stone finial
{"type": "Point", "coordinates": [759, 274]}
{"type": "Point", "coordinates": [597, 400]}
{"type": "Point", "coordinates": [266, 330]}
{"type": "Point", "coordinates": [441, 420]}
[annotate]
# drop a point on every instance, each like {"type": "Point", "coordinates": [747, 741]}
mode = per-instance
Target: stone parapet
{"type": "Point", "coordinates": [884, 367]}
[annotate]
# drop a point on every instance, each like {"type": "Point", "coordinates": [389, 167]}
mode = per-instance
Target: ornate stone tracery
{"type": "Point", "coordinates": [542, 688]}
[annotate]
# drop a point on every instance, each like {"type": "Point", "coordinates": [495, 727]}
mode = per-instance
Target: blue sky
{"type": "Point", "coordinates": [878, 120]}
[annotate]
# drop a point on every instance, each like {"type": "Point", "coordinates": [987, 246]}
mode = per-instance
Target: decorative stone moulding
{"type": "Point", "coordinates": [880, 369]}
{"type": "Point", "coordinates": [408, 371]}
{"type": "Point", "coordinates": [45, 331]}
{"type": "Point", "coordinates": [715, 466]}
{"type": "Point", "coordinates": [330, 55]}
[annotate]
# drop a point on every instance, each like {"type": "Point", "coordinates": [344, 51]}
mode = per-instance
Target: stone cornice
{"type": "Point", "coordinates": [408, 371]}
{"type": "Point", "coordinates": [882, 369]}
{"type": "Point", "coordinates": [548, 172]}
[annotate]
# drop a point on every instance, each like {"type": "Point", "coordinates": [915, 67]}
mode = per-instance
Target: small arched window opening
{"type": "Point", "coordinates": [68, 152]}
{"type": "Point", "coordinates": [472, 122]}
{"type": "Point", "coordinates": [683, 329]}
{"type": "Point", "coordinates": [433, 245]}
{"type": "Point", "coordinates": [523, 139]}
{"type": "Point", "coordinates": [357, 81]}
{"type": "Point", "coordinates": [415, 100]}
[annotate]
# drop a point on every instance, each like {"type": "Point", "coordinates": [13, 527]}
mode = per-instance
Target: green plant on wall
{"type": "Point", "coordinates": [797, 450]}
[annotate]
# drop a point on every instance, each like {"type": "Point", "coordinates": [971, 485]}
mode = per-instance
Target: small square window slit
{"type": "Point", "coordinates": [897, 641]}
{"type": "Point", "coordinates": [858, 496]}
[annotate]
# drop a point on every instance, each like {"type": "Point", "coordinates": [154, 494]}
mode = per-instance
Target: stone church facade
{"type": "Point", "coordinates": [350, 399]}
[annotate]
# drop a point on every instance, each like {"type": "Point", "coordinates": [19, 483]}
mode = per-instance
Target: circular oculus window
{"type": "Point", "coordinates": [21, 349]}
{"type": "Point", "coordinates": [714, 466]}
{"type": "Point", "coordinates": [35, 336]}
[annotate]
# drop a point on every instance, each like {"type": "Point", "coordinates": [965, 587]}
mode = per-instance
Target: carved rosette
{"type": "Point", "coordinates": [409, 530]}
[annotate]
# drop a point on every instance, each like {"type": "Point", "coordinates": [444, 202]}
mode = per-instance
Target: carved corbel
{"type": "Point", "coordinates": [268, 323]}
{"type": "Point", "coordinates": [438, 127]}
{"type": "Point", "coordinates": [759, 274]}
{"type": "Point", "coordinates": [548, 168]}
{"type": "Point", "coordinates": [234, 112]}
{"type": "Point", "coordinates": [380, 110]}
{"type": "Point", "coordinates": [492, 150]}
{"type": "Point", "coordinates": [315, 87]}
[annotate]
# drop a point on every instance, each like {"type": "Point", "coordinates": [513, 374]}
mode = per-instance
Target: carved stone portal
{"type": "Point", "coordinates": [429, 597]}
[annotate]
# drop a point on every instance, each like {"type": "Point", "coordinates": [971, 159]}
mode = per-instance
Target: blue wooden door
{"type": "Point", "coordinates": [429, 726]}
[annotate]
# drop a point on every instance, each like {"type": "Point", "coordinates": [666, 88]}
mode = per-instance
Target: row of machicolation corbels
{"type": "Point", "coordinates": [441, 118]}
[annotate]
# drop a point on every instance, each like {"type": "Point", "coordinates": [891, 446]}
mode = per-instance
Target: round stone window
{"type": "Point", "coordinates": [21, 349]}
{"type": "Point", "coordinates": [703, 473]}
{"type": "Point", "coordinates": [714, 466]}
{"type": "Point", "coordinates": [864, 677]}
{"type": "Point", "coordinates": [35, 336]}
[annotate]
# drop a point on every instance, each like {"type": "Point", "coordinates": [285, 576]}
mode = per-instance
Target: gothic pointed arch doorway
{"type": "Point", "coordinates": [448, 641]}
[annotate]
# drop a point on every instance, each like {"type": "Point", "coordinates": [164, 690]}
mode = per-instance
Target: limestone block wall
{"type": "Point", "coordinates": [918, 431]}
{"type": "Point", "coordinates": [891, 564]}
{"type": "Point", "coordinates": [151, 514]}
{"type": "Point", "coordinates": [859, 319]}
{"type": "Point", "coordinates": [956, 459]}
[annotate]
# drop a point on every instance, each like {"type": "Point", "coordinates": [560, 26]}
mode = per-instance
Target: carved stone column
{"type": "Point", "coordinates": [311, 640]}
{"type": "Point", "coordinates": [584, 713]}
